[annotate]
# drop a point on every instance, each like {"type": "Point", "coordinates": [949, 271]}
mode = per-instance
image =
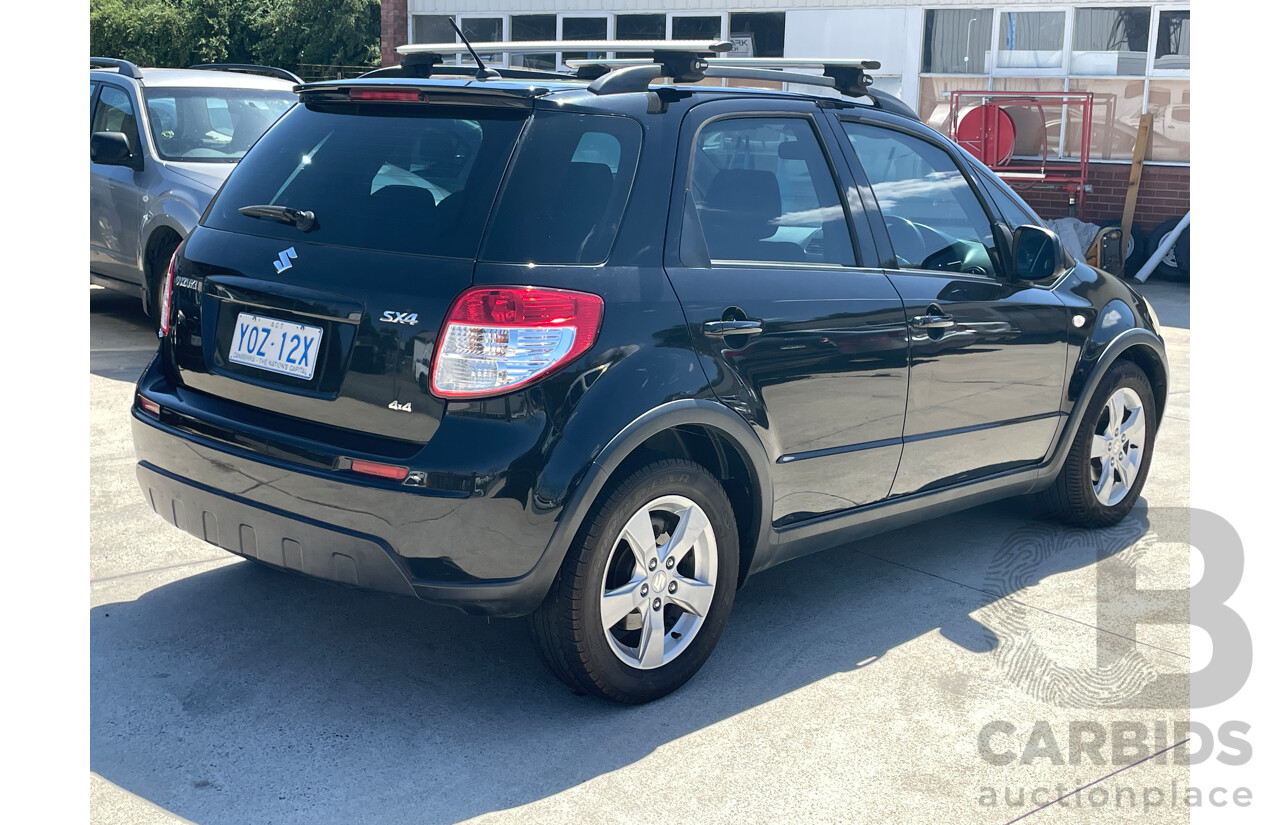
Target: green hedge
{"type": "Point", "coordinates": [284, 33]}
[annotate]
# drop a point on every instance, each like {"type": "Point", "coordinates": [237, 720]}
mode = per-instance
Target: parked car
{"type": "Point", "coordinates": [161, 142]}
{"type": "Point", "coordinates": [645, 342]}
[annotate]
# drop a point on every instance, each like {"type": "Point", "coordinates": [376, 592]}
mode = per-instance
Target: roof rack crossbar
{"type": "Point", "coordinates": [250, 68]}
{"type": "Point", "coordinates": [702, 47]}
{"type": "Point", "coordinates": [776, 75]}
{"type": "Point", "coordinates": [123, 67]}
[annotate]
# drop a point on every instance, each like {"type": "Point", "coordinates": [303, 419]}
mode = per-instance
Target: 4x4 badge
{"type": "Point", "coordinates": [396, 405]}
{"type": "Point", "coordinates": [286, 260]}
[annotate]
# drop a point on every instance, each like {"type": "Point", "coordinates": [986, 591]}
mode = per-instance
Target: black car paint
{"type": "Point", "coordinates": [503, 484]}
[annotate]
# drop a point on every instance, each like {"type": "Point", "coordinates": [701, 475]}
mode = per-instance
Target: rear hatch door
{"type": "Point", "coordinates": [326, 318]}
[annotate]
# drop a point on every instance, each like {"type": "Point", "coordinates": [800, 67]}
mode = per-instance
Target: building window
{"type": "Point", "coordinates": [1134, 59]}
{"type": "Point", "coordinates": [534, 27]}
{"type": "Point", "coordinates": [584, 28]}
{"type": "Point", "coordinates": [1110, 41]}
{"type": "Point", "coordinates": [696, 28]}
{"type": "Point", "coordinates": [761, 35]}
{"type": "Point", "coordinates": [432, 28]}
{"type": "Point", "coordinates": [641, 26]}
{"type": "Point", "coordinates": [482, 30]}
{"type": "Point", "coordinates": [957, 41]}
{"type": "Point", "coordinates": [1173, 41]}
{"type": "Point", "coordinates": [1031, 39]}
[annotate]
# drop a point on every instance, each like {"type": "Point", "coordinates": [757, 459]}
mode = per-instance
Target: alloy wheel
{"type": "Point", "coordinates": [659, 582]}
{"type": "Point", "coordinates": [1116, 454]}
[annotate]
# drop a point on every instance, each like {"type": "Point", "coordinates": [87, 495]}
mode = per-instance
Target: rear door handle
{"type": "Point", "coordinates": [933, 322]}
{"type": "Point", "coordinates": [719, 329]}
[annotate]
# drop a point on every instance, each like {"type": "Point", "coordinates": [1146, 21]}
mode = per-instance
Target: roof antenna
{"type": "Point", "coordinates": [481, 72]}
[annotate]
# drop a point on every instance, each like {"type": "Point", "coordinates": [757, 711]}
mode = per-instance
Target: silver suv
{"type": "Point", "coordinates": [161, 142]}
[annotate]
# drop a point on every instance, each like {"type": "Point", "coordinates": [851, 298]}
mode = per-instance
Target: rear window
{"type": "Point", "coordinates": [567, 191]}
{"type": "Point", "coordinates": [395, 178]}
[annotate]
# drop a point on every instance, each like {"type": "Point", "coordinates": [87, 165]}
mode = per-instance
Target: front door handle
{"type": "Point", "coordinates": [933, 322]}
{"type": "Point", "coordinates": [719, 329]}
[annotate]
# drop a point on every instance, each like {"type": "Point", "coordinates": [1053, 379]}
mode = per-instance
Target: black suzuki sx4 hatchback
{"type": "Point", "coordinates": [598, 350]}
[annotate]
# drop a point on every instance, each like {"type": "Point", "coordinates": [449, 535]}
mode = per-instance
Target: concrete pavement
{"type": "Point", "coordinates": [883, 682]}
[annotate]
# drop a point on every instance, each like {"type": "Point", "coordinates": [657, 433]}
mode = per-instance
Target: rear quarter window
{"type": "Point", "coordinates": [412, 179]}
{"type": "Point", "coordinates": [567, 191]}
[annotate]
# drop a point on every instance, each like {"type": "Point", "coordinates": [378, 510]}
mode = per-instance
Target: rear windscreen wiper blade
{"type": "Point", "coordinates": [306, 221]}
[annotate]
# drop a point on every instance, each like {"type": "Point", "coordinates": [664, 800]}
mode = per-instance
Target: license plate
{"type": "Point", "coordinates": [274, 345]}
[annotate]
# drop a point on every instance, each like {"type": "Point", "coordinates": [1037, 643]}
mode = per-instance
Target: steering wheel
{"type": "Point", "coordinates": [908, 242]}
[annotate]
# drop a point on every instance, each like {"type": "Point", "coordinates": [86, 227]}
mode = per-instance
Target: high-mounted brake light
{"type": "Point", "coordinates": [498, 339]}
{"type": "Point", "coordinates": [376, 95]}
{"type": "Point", "coordinates": [374, 468]}
{"type": "Point", "coordinates": [166, 297]}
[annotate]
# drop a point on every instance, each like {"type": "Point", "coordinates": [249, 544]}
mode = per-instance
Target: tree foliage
{"type": "Point", "coordinates": [283, 33]}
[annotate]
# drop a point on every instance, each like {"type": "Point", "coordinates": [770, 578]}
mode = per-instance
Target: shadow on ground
{"type": "Point", "coordinates": [245, 694]}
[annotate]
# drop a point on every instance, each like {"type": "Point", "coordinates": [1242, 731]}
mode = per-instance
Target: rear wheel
{"type": "Point", "coordinates": [645, 591]}
{"type": "Point", "coordinates": [1111, 454]}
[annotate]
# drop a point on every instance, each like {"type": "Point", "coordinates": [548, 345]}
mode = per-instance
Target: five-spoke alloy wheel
{"type": "Point", "coordinates": [646, 589]}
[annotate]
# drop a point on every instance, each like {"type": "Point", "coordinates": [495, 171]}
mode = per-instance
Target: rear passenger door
{"type": "Point", "coordinates": [807, 344]}
{"type": "Point", "coordinates": [988, 352]}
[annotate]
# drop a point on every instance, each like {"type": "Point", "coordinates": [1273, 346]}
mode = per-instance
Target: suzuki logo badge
{"type": "Point", "coordinates": [286, 260]}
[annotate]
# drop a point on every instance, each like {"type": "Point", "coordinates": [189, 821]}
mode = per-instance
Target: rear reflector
{"type": "Point", "coordinates": [149, 406]}
{"type": "Point", "coordinates": [373, 468]}
{"type": "Point", "coordinates": [401, 95]}
{"type": "Point", "coordinates": [498, 339]}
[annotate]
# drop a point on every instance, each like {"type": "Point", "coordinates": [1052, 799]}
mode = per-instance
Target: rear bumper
{"type": "Point", "coordinates": [352, 533]}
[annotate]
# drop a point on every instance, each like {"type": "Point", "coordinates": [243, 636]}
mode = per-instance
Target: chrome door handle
{"type": "Point", "coordinates": [719, 329]}
{"type": "Point", "coordinates": [933, 322]}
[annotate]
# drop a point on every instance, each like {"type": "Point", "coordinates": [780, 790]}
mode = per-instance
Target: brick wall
{"type": "Point", "coordinates": [395, 29]}
{"type": "Point", "coordinates": [1165, 193]}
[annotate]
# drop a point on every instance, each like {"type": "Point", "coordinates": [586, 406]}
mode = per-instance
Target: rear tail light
{"type": "Point", "coordinates": [148, 405]}
{"type": "Point", "coordinates": [166, 296]}
{"type": "Point", "coordinates": [498, 339]}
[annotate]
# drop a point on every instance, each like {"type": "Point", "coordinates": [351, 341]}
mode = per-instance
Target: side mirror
{"type": "Point", "coordinates": [110, 149]}
{"type": "Point", "coordinates": [1036, 253]}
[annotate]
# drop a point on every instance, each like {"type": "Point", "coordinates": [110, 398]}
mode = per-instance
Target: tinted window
{"type": "Point", "coordinates": [934, 218]}
{"type": "Point", "coordinates": [764, 192]}
{"type": "Point", "coordinates": [211, 125]}
{"type": "Point", "coordinates": [567, 191]}
{"type": "Point", "coordinates": [400, 178]}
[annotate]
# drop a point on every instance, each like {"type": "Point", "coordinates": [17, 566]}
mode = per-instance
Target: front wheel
{"type": "Point", "coordinates": [1110, 455]}
{"type": "Point", "coordinates": [646, 589]}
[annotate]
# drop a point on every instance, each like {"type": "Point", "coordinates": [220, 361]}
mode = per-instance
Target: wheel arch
{"type": "Point", "coordinates": [698, 430]}
{"type": "Point", "coordinates": [158, 240]}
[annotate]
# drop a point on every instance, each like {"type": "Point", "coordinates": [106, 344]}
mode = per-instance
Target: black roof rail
{"type": "Point", "coordinates": [123, 67]}
{"type": "Point", "coordinates": [250, 68]}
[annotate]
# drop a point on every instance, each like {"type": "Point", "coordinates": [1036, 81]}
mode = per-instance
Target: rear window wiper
{"type": "Point", "coordinates": [306, 221]}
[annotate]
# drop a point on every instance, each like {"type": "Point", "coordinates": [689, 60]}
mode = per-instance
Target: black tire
{"type": "Point", "coordinates": [1168, 266]}
{"type": "Point", "coordinates": [1182, 251]}
{"type": "Point", "coordinates": [568, 630]}
{"type": "Point", "coordinates": [1135, 254]}
{"type": "Point", "coordinates": [1072, 499]}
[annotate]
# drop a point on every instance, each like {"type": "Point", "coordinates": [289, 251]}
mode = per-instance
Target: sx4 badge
{"type": "Point", "coordinates": [392, 317]}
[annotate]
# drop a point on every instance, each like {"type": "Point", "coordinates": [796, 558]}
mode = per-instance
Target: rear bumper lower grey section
{"type": "Point", "coordinates": [275, 538]}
